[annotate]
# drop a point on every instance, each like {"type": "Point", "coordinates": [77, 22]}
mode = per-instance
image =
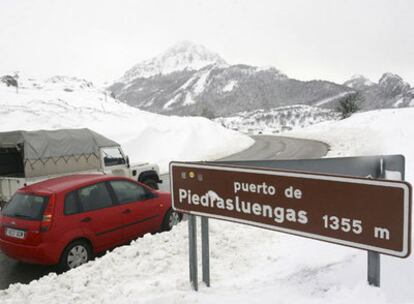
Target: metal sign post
{"type": "Point", "coordinates": [374, 268]}
{"type": "Point", "coordinates": [205, 251]}
{"type": "Point", "coordinates": [192, 241]}
{"type": "Point", "coordinates": [369, 214]}
{"type": "Point", "coordinates": [374, 258]}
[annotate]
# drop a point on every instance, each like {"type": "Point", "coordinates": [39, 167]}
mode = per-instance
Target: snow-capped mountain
{"type": "Point", "coordinates": [194, 88]}
{"type": "Point", "coordinates": [182, 56]}
{"type": "Point", "coordinates": [390, 91]}
{"type": "Point", "coordinates": [69, 102]}
{"type": "Point", "coordinates": [188, 79]}
{"type": "Point", "coordinates": [359, 82]}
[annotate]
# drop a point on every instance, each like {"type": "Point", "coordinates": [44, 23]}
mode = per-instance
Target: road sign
{"type": "Point", "coordinates": [359, 212]}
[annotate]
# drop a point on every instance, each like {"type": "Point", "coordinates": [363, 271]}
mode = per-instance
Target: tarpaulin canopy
{"type": "Point", "coordinates": [44, 144]}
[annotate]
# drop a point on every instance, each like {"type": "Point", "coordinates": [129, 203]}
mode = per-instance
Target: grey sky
{"type": "Point", "coordinates": [318, 39]}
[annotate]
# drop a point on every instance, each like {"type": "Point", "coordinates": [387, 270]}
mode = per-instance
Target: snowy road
{"type": "Point", "coordinates": [265, 147]}
{"type": "Point", "coordinates": [273, 147]}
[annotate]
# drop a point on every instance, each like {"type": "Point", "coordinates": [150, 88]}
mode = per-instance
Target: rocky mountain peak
{"type": "Point", "coordinates": [358, 82]}
{"type": "Point", "coordinates": [393, 84]}
{"type": "Point", "coordinates": [192, 52]}
{"type": "Point", "coordinates": [184, 55]}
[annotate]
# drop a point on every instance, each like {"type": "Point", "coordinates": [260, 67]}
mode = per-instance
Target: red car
{"type": "Point", "coordinates": [67, 220]}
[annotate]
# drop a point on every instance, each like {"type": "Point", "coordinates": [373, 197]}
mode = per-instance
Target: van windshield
{"type": "Point", "coordinates": [113, 157]}
{"type": "Point", "coordinates": [26, 206]}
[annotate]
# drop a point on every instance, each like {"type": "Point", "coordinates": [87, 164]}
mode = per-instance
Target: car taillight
{"type": "Point", "coordinates": [48, 214]}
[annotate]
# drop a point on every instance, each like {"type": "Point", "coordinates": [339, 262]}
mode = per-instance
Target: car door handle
{"type": "Point", "coordinates": [86, 220]}
{"type": "Point", "coordinates": [126, 211]}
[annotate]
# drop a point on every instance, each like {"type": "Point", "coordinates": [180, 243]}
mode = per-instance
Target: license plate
{"type": "Point", "coordinates": [19, 234]}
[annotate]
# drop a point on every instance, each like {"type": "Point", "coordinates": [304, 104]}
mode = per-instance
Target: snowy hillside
{"type": "Point", "coordinates": [276, 120]}
{"type": "Point", "coordinates": [248, 265]}
{"type": "Point", "coordinates": [387, 131]}
{"type": "Point", "coordinates": [65, 102]}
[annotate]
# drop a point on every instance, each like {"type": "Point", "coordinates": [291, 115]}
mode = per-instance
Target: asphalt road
{"type": "Point", "coordinates": [272, 147]}
{"type": "Point", "coordinates": [265, 147]}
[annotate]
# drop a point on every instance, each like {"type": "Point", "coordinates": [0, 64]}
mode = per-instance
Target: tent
{"type": "Point", "coordinates": [46, 152]}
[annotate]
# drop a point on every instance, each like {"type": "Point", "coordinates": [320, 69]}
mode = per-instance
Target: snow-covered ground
{"type": "Point", "coordinates": [64, 102]}
{"type": "Point", "coordinates": [248, 265]}
{"type": "Point", "coordinates": [277, 120]}
{"type": "Point", "coordinates": [388, 131]}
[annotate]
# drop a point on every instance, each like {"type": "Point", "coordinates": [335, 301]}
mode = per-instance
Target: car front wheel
{"type": "Point", "coordinates": [171, 219]}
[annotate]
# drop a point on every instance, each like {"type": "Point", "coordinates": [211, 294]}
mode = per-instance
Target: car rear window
{"type": "Point", "coordinates": [71, 204]}
{"type": "Point", "coordinates": [26, 206]}
{"type": "Point", "coordinates": [94, 197]}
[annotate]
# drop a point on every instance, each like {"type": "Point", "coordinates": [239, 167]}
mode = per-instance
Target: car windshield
{"type": "Point", "coordinates": [113, 157]}
{"type": "Point", "coordinates": [26, 206]}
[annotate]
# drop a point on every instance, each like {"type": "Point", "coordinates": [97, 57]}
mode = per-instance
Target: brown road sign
{"type": "Point", "coordinates": [363, 213]}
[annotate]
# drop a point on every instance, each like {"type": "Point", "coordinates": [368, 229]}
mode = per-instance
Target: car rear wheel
{"type": "Point", "coordinates": [75, 254]}
{"type": "Point", "coordinates": [171, 219]}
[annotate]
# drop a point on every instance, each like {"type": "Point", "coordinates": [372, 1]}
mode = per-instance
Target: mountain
{"type": "Point", "coordinates": [359, 82]}
{"type": "Point", "coordinates": [183, 56]}
{"type": "Point", "coordinates": [390, 91]}
{"type": "Point", "coordinates": [188, 79]}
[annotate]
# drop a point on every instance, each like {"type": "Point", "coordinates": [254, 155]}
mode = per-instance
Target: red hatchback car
{"type": "Point", "coordinates": [67, 220]}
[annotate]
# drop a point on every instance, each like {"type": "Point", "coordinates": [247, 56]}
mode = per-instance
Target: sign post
{"type": "Point", "coordinates": [205, 251]}
{"type": "Point", "coordinates": [192, 241]}
{"type": "Point", "coordinates": [373, 215]}
{"type": "Point", "coordinates": [374, 258]}
{"type": "Point", "coordinates": [374, 268]}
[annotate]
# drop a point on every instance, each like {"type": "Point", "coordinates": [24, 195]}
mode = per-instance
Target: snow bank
{"type": "Point", "coordinates": [389, 131]}
{"type": "Point", "coordinates": [248, 265]}
{"type": "Point", "coordinates": [62, 102]}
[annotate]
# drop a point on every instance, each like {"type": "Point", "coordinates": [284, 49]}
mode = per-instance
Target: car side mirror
{"type": "Point", "coordinates": [127, 161]}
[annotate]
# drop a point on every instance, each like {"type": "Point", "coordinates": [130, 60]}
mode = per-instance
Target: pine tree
{"type": "Point", "coordinates": [350, 104]}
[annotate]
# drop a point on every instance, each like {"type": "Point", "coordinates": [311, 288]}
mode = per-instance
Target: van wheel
{"type": "Point", "coordinates": [151, 183]}
{"type": "Point", "coordinates": [75, 254]}
{"type": "Point", "coordinates": [171, 219]}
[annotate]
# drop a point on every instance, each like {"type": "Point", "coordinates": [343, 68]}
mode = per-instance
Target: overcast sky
{"type": "Point", "coordinates": [318, 39]}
